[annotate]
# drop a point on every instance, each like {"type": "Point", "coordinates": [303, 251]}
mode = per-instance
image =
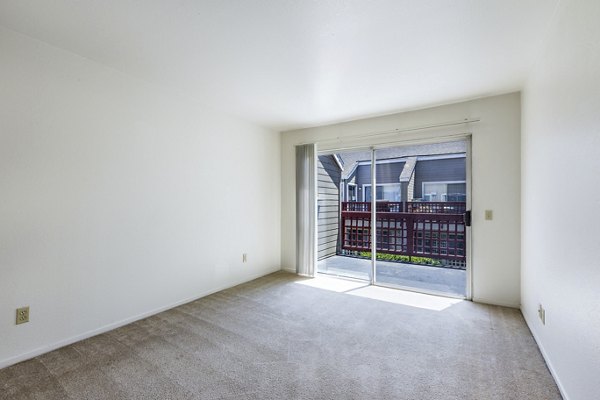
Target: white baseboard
{"type": "Point", "coordinates": [292, 270]}
{"type": "Point", "coordinates": [73, 339]}
{"type": "Point", "coordinates": [561, 388]}
{"type": "Point", "coordinates": [495, 303]}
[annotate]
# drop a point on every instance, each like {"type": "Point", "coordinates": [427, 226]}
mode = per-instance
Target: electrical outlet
{"type": "Point", "coordinates": [489, 215]}
{"type": "Point", "coordinates": [542, 314]}
{"type": "Point", "coordinates": [245, 257]}
{"type": "Point", "coordinates": [22, 315]}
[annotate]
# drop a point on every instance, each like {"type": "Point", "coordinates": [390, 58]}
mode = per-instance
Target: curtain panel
{"type": "Point", "coordinates": [306, 215]}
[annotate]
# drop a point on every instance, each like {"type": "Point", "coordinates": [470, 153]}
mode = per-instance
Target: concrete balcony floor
{"type": "Point", "coordinates": [448, 281]}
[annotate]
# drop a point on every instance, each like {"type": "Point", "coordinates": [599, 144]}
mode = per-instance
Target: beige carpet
{"type": "Point", "coordinates": [276, 338]}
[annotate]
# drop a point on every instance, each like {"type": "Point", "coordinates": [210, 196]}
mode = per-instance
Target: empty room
{"type": "Point", "coordinates": [286, 199]}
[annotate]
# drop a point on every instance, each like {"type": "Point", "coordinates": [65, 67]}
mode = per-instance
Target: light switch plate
{"type": "Point", "coordinates": [489, 215]}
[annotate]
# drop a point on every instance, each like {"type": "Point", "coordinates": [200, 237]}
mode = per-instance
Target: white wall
{"type": "Point", "coordinates": [561, 199]}
{"type": "Point", "coordinates": [495, 178]}
{"type": "Point", "coordinates": [119, 199]}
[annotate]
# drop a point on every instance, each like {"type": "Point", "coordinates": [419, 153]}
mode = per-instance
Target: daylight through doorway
{"type": "Point", "coordinates": [416, 198]}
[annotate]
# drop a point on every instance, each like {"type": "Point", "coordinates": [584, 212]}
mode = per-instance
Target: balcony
{"type": "Point", "coordinates": [420, 245]}
{"type": "Point", "coordinates": [415, 230]}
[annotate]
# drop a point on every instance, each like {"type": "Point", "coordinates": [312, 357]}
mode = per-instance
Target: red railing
{"type": "Point", "coordinates": [433, 230]}
{"type": "Point", "coordinates": [438, 207]}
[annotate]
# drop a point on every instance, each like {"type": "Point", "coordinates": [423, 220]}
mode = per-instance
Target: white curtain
{"type": "Point", "coordinates": [306, 215]}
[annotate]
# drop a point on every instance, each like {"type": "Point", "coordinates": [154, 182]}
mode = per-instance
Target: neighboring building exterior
{"type": "Point", "coordinates": [403, 176]}
{"type": "Point", "coordinates": [329, 177]}
{"type": "Point", "coordinates": [440, 178]}
{"type": "Point", "coordinates": [422, 178]}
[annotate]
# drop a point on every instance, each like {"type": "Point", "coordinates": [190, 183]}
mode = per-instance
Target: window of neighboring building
{"type": "Point", "coordinates": [351, 192]}
{"type": "Point", "coordinates": [444, 191]}
{"type": "Point", "coordinates": [386, 191]}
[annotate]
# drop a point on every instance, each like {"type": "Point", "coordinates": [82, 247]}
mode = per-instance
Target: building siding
{"type": "Point", "coordinates": [386, 173]}
{"type": "Point", "coordinates": [451, 169]}
{"type": "Point", "coordinates": [328, 206]}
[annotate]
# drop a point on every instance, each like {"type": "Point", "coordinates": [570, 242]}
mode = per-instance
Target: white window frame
{"type": "Point", "coordinates": [437, 183]}
{"type": "Point", "coordinates": [348, 191]}
{"type": "Point", "coordinates": [364, 192]}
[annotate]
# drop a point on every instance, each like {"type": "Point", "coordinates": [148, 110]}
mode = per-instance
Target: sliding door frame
{"type": "Point", "coordinates": [467, 138]}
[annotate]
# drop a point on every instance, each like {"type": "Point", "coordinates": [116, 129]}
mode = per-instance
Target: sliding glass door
{"type": "Point", "coordinates": [396, 216]}
{"type": "Point", "coordinates": [344, 244]}
{"type": "Point", "coordinates": [421, 241]}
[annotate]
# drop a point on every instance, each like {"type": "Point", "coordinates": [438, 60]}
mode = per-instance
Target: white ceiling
{"type": "Point", "coordinates": [296, 63]}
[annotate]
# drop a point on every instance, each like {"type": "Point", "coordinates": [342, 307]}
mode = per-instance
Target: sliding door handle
{"type": "Point", "coordinates": [467, 218]}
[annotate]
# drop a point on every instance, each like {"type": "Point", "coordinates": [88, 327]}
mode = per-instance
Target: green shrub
{"type": "Point", "coordinates": [402, 258]}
